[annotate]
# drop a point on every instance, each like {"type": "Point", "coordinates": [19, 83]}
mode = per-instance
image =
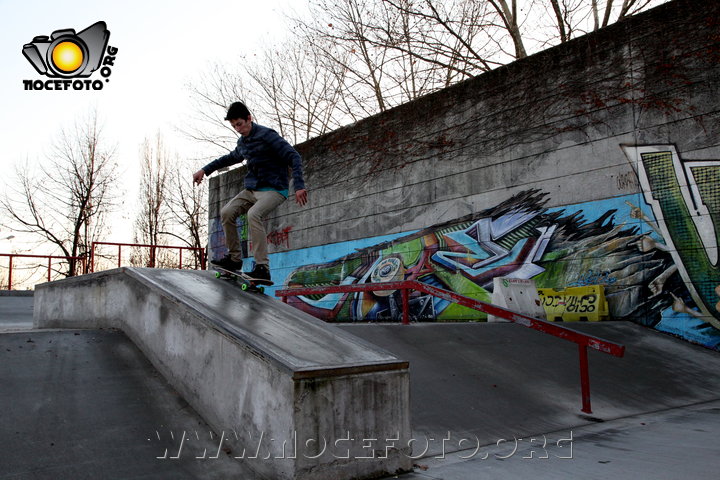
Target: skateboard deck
{"type": "Point", "coordinates": [246, 283]}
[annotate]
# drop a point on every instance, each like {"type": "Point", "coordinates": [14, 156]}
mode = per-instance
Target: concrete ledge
{"type": "Point", "coordinates": [16, 293]}
{"type": "Point", "coordinates": [293, 397]}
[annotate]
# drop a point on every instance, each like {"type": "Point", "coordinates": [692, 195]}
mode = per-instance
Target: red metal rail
{"type": "Point", "coordinates": [582, 340]}
{"type": "Point", "coordinates": [152, 252]}
{"type": "Point", "coordinates": [50, 258]}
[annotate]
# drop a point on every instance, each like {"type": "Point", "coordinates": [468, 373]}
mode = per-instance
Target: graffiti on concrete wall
{"type": "Point", "coordinates": [657, 273]}
{"type": "Point", "coordinates": [280, 237]}
{"type": "Point", "coordinates": [217, 247]}
{"type": "Point", "coordinates": [685, 199]}
{"type": "Point", "coordinates": [519, 238]}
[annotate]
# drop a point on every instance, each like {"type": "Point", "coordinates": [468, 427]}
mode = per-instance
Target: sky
{"type": "Point", "coordinates": [162, 46]}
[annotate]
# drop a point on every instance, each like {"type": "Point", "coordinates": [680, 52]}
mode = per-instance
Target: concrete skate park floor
{"type": "Point", "coordinates": [499, 380]}
{"type": "Point", "coordinates": [87, 404]}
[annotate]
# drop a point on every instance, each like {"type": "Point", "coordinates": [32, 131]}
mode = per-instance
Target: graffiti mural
{"type": "Point", "coordinates": [685, 199]}
{"type": "Point", "coordinates": [520, 238]}
{"type": "Point", "coordinates": [216, 245]}
{"type": "Point", "coordinates": [660, 273]}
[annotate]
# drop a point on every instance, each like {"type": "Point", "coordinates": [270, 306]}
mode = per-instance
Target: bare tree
{"type": "Point", "coordinates": [510, 17]}
{"type": "Point", "coordinates": [187, 205]}
{"type": "Point", "coordinates": [441, 42]}
{"type": "Point", "coordinates": [392, 51]}
{"type": "Point", "coordinates": [570, 18]}
{"type": "Point", "coordinates": [354, 58]}
{"type": "Point", "coordinates": [625, 9]}
{"type": "Point", "coordinates": [67, 201]}
{"type": "Point", "coordinates": [289, 87]}
{"type": "Point", "coordinates": [348, 28]}
{"type": "Point", "coordinates": [562, 11]}
{"type": "Point", "coordinates": [211, 95]}
{"type": "Point", "coordinates": [170, 208]}
{"type": "Point", "coordinates": [151, 222]}
{"type": "Point", "coordinates": [301, 92]}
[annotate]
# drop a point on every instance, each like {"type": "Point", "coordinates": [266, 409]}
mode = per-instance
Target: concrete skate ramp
{"type": "Point", "coordinates": [479, 383]}
{"type": "Point", "coordinates": [268, 378]}
{"type": "Point", "coordinates": [87, 404]}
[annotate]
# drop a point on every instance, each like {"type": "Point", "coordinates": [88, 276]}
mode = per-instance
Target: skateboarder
{"type": "Point", "coordinates": [269, 160]}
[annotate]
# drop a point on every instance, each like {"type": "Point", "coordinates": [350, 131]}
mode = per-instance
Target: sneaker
{"type": "Point", "coordinates": [260, 272]}
{"type": "Point", "coordinates": [228, 264]}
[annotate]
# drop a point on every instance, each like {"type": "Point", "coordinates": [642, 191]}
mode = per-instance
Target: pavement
{"type": "Point", "coordinates": [86, 404]}
{"type": "Point", "coordinates": [16, 310]}
{"type": "Point", "coordinates": [500, 401]}
{"type": "Point", "coordinates": [678, 443]}
{"type": "Point", "coordinates": [488, 400]}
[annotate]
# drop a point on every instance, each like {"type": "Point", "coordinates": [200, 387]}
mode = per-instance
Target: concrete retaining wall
{"type": "Point", "coordinates": [16, 293]}
{"type": "Point", "coordinates": [281, 389]}
{"type": "Point", "coordinates": [564, 167]}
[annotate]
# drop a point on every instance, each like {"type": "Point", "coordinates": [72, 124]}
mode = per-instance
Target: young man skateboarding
{"type": "Point", "coordinates": [269, 159]}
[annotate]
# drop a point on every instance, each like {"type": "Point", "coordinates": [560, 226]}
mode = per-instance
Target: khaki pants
{"type": "Point", "coordinates": [256, 205]}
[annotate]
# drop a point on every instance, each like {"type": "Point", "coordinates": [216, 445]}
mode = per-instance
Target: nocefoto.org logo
{"type": "Point", "coordinates": [69, 58]}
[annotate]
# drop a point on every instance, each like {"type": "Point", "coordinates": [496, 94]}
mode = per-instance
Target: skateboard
{"type": "Point", "coordinates": [246, 283]}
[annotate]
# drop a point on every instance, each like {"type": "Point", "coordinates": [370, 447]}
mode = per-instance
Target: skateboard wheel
{"type": "Point", "coordinates": [217, 275]}
{"type": "Point", "coordinates": [261, 289]}
{"type": "Point", "coordinates": [244, 287]}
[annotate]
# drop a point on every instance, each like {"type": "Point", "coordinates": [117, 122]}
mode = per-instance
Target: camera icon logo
{"type": "Point", "coordinates": [67, 54]}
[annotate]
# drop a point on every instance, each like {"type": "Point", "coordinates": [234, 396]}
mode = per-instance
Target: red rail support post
{"type": "Point", "coordinates": [406, 306]}
{"type": "Point", "coordinates": [10, 273]}
{"type": "Point", "coordinates": [584, 379]}
{"type": "Point", "coordinates": [92, 257]}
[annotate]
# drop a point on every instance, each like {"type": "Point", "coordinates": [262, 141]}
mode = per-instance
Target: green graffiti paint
{"type": "Point", "coordinates": [702, 274]}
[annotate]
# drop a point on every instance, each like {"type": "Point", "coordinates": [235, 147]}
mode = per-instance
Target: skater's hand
{"type": "Point", "coordinates": [198, 176]}
{"type": "Point", "coordinates": [301, 197]}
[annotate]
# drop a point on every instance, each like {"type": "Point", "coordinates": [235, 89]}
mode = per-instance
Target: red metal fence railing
{"type": "Point", "coordinates": [50, 258]}
{"type": "Point", "coordinates": [583, 341]}
{"type": "Point", "coordinates": [199, 252]}
{"type": "Point", "coordinates": [197, 255]}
